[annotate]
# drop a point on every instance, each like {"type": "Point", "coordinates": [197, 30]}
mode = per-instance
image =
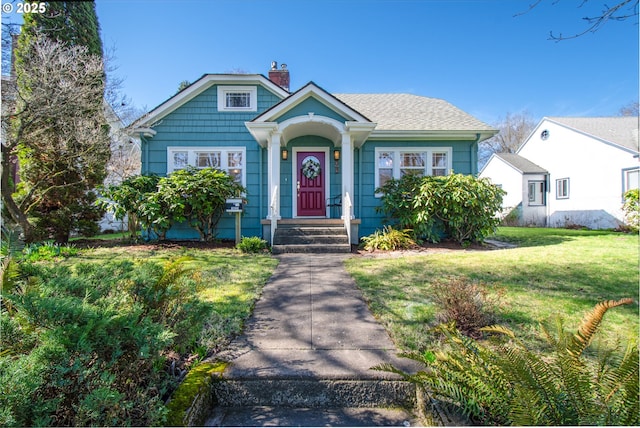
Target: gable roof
{"type": "Point", "coordinates": [201, 85]}
{"type": "Point", "coordinates": [524, 165]}
{"type": "Point", "coordinates": [315, 91]}
{"type": "Point", "coordinates": [621, 130]}
{"type": "Point", "coordinates": [407, 112]}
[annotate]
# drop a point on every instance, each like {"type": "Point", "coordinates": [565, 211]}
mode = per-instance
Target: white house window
{"type": "Point", "coordinates": [237, 98]}
{"type": "Point", "coordinates": [398, 162]}
{"type": "Point", "coordinates": [536, 192]}
{"type": "Point", "coordinates": [440, 163]}
{"type": "Point", "coordinates": [562, 188]}
{"type": "Point", "coordinates": [228, 159]}
{"type": "Point", "coordinates": [631, 179]}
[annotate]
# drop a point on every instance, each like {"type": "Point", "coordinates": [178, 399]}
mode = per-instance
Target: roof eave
{"type": "Point", "coordinates": [200, 86]}
{"type": "Point", "coordinates": [471, 135]}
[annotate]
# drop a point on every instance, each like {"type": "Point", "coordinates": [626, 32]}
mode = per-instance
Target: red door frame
{"type": "Point", "coordinates": [311, 193]}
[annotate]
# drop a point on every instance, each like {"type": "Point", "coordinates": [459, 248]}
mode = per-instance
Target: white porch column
{"type": "Point", "coordinates": [273, 166]}
{"type": "Point", "coordinates": [347, 168]}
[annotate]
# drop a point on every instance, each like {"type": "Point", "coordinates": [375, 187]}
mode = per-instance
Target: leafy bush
{"type": "Point", "coordinates": [252, 244]}
{"type": "Point", "coordinates": [505, 383]}
{"type": "Point", "coordinates": [465, 303]}
{"type": "Point", "coordinates": [389, 240]}
{"type": "Point", "coordinates": [127, 199]}
{"type": "Point", "coordinates": [631, 208]}
{"type": "Point", "coordinates": [86, 345]}
{"type": "Point", "coordinates": [195, 196]}
{"type": "Point", "coordinates": [458, 206]}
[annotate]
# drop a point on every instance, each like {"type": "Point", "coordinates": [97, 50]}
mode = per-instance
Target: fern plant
{"type": "Point", "coordinates": [505, 383]}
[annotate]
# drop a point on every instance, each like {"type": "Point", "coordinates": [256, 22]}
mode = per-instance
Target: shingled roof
{"type": "Point", "coordinates": [406, 112]}
{"type": "Point", "coordinates": [621, 130]}
{"type": "Point", "coordinates": [523, 165]}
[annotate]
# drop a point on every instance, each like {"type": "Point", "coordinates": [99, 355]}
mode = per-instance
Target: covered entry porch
{"type": "Point", "coordinates": [310, 141]}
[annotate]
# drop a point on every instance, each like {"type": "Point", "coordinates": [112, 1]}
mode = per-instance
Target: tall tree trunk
{"type": "Point", "coordinates": [7, 197]}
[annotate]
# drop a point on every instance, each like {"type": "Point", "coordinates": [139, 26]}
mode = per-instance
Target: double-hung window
{"type": "Point", "coordinates": [231, 160]}
{"type": "Point", "coordinates": [398, 162]}
{"type": "Point", "coordinates": [562, 188]}
{"type": "Point", "coordinates": [237, 98]}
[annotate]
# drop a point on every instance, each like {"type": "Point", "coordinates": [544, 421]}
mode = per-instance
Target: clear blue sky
{"type": "Point", "coordinates": [475, 54]}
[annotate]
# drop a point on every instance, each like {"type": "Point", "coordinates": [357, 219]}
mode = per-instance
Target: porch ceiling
{"type": "Point", "coordinates": [311, 128]}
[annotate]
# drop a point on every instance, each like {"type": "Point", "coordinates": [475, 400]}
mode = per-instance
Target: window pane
{"type": "Point", "coordinates": [385, 174]}
{"type": "Point", "coordinates": [234, 159]}
{"type": "Point", "coordinates": [236, 173]}
{"type": "Point", "coordinates": [180, 160]}
{"type": "Point", "coordinates": [439, 160]}
{"type": "Point", "coordinates": [404, 172]}
{"type": "Point", "coordinates": [633, 179]}
{"type": "Point", "coordinates": [385, 160]}
{"type": "Point", "coordinates": [415, 160]}
{"type": "Point", "coordinates": [238, 99]}
{"type": "Point", "coordinates": [208, 160]}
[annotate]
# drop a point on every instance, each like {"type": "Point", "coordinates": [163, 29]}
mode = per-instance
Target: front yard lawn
{"type": "Point", "coordinates": [551, 272]}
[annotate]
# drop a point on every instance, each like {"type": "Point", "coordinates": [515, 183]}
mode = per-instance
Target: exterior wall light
{"type": "Point", "coordinates": [336, 158]}
{"type": "Point", "coordinates": [285, 154]}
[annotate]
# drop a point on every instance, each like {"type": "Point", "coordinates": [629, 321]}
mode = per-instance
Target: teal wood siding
{"type": "Point", "coordinates": [199, 124]}
{"type": "Point", "coordinates": [311, 105]}
{"type": "Point", "coordinates": [365, 200]}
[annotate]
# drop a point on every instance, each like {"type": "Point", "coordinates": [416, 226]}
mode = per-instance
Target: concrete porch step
{"type": "Point", "coordinates": [310, 238]}
{"type": "Point", "coordinates": [315, 393]}
{"type": "Point", "coordinates": [336, 417]}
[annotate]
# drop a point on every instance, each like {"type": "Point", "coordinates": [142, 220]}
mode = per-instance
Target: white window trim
{"type": "Point", "coordinates": [396, 160]}
{"type": "Point", "coordinates": [253, 98]}
{"type": "Point", "coordinates": [191, 154]}
{"type": "Point", "coordinates": [558, 194]}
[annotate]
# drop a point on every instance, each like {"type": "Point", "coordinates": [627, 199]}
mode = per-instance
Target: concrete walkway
{"type": "Point", "coordinates": [312, 323]}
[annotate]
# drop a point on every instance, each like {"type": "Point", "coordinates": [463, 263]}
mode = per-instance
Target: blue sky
{"type": "Point", "coordinates": [473, 53]}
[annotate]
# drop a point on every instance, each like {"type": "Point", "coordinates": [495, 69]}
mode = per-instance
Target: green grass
{"type": "Point", "coordinates": [552, 272]}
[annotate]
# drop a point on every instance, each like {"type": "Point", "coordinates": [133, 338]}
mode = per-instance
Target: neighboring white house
{"type": "Point", "coordinates": [124, 162]}
{"type": "Point", "coordinates": [570, 171]}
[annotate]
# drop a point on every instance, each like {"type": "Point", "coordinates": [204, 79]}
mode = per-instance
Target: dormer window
{"type": "Point", "coordinates": [237, 98]}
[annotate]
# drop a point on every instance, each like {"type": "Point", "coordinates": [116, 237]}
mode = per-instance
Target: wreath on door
{"type": "Point", "coordinates": [311, 167]}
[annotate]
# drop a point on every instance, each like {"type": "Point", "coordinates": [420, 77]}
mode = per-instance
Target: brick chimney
{"type": "Point", "coordinates": [279, 77]}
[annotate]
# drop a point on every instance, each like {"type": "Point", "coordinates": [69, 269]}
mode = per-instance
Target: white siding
{"type": "Point", "coordinates": [594, 169]}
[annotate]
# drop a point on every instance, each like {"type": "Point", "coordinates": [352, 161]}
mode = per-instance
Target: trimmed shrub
{"type": "Point", "coordinates": [458, 206]}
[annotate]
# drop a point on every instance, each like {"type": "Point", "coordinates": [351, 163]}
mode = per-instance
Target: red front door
{"type": "Point", "coordinates": [310, 184]}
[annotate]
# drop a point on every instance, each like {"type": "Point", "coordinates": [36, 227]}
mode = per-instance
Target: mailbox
{"type": "Point", "coordinates": [233, 205]}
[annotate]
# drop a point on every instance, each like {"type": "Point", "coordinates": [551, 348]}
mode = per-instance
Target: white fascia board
{"type": "Point", "coordinates": [203, 84]}
{"type": "Point", "coordinates": [311, 90]}
{"type": "Point", "coordinates": [429, 135]}
{"type": "Point", "coordinates": [360, 131]}
{"type": "Point", "coordinates": [262, 131]}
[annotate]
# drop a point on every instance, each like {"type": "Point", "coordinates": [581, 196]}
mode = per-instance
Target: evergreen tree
{"type": "Point", "coordinates": [56, 189]}
{"type": "Point", "coordinates": [74, 23]}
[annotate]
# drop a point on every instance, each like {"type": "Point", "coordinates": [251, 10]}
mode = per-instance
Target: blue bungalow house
{"type": "Point", "coordinates": [309, 157]}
